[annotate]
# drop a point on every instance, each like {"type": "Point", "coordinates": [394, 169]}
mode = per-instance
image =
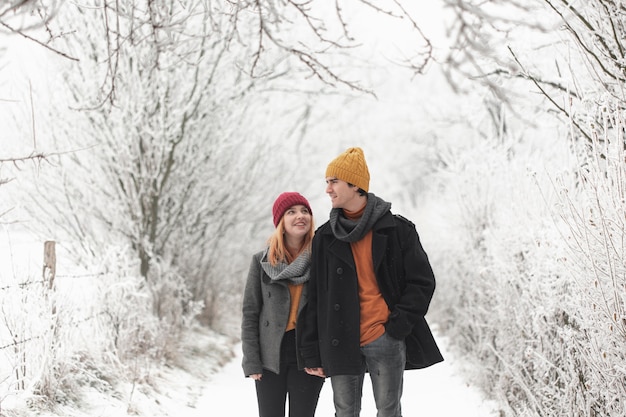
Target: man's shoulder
{"type": "Point", "coordinates": [403, 222]}
{"type": "Point", "coordinates": [323, 229]}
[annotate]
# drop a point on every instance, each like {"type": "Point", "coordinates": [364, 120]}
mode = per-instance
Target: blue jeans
{"type": "Point", "coordinates": [384, 359]}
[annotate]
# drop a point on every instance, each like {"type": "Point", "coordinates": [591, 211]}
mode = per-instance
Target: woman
{"type": "Point", "coordinates": [274, 297]}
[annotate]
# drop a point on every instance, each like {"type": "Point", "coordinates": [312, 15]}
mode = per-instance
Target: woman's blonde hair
{"type": "Point", "coordinates": [278, 252]}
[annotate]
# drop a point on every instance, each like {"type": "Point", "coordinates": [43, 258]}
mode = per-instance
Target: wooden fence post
{"type": "Point", "coordinates": [49, 272]}
{"type": "Point", "coordinates": [49, 263]}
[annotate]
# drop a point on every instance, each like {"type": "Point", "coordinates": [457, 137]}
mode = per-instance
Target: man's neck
{"type": "Point", "coordinates": [356, 204]}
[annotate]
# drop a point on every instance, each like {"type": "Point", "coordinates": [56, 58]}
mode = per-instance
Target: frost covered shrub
{"type": "Point", "coordinates": [594, 214]}
{"type": "Point", "coordinates": [142, 320]}
{"type": "Point", "coordinates": [531, 274]}
{"type": "Point", "coordinates": [28, 345]}
{"type": "Point", "coordinates": [504, 295]}
{"type": "Point", "coordinates": [49, 332]}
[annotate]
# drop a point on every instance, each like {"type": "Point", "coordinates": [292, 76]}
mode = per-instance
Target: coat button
{"type": "Point", "coordinates": [337, 307]}
{"type": "Point", "coordinates": [335, 342]}
{"type": "Point", "coordinates": [267, 323]}
{"type": "Point", "coordinates": [340, 271]}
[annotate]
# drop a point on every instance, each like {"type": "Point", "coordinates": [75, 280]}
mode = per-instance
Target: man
{"type": "Point", "coordinates": [370, 287]}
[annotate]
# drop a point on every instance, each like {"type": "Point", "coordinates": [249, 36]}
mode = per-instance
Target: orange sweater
{"type": "Point", "coordinates": [295, 290]}
{"type": "Point", "coordinates": [374, 309]}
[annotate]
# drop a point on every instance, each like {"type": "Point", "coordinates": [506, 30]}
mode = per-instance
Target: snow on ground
{"type": "Point", "coordinates": [206, 380]}
{"type": "Point", "coordinates": [437, 391]}
{"type": "Point", "coordinates": [150, 389]}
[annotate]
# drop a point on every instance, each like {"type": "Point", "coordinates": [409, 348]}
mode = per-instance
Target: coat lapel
{"type": "Point", "coordinates": [379, 240]}
{"type": "Point", "coordinates": [342, 251]}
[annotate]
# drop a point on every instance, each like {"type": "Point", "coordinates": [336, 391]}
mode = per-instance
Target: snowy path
{"type": "Point", "coordinates": [437, 391]}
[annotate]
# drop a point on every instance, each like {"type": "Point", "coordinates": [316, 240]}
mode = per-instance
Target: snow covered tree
{"type": "Point", "coordinates": [161, 122]}
{"type": "Point", "coordinates": [154, 120]}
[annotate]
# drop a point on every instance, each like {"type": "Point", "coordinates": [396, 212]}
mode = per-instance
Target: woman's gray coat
{"type": "Point", "coordinates": [265, 310]}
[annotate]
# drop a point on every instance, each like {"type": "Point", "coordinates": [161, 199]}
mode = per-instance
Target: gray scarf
{"type": "Point", "coordinates": [296, 272]}
{"type": "Point", "coordinates": [348, 230]}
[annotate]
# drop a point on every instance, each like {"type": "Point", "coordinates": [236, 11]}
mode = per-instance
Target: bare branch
{"type": "Point", "coordinates": [425, 57]}
{"type": "Point", "coordinates": [34, 156]}
{"type": "Point", "coordinates": [538, 84]}
{"type": "Point", "coordinates": [38, 42]}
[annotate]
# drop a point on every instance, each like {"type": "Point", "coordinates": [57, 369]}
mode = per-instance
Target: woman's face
{"type": "Point", "coordinates": [297, 221]}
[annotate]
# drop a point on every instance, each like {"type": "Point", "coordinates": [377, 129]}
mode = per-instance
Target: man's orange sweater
{"type": "Point", "coordinates": [374, 310]}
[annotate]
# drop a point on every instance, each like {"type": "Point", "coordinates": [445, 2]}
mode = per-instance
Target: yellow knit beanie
{"type": "Point", "coordinates": [350, 167]}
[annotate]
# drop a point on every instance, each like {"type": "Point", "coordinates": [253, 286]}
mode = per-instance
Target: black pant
{"type": "Point", "coordinates": [303, 389]}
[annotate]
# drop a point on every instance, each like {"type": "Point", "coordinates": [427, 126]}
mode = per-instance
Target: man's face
{"type": "Point", "coordinates": [342, 194]}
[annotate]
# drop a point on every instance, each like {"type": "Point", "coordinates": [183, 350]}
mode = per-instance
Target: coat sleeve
{"type": "Point", "coordinates": [252, 305]}
{"type": "Point", "coordinates": [309, 344]}
{"type": "Point", "coordinates": [417, 283]}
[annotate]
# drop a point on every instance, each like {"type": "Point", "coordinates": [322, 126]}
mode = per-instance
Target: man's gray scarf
{"type": "Point", "coordinates": [296, 272]}
{"type": "Point", "coordinates": [348, 230]}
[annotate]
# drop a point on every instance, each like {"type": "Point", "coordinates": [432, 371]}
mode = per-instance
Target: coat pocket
{"type": "Point", "coordinates": [421, 348]}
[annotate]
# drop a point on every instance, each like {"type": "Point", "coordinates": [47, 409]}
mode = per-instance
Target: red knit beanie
{"type": "Point", "coordinates": [286, 200]}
